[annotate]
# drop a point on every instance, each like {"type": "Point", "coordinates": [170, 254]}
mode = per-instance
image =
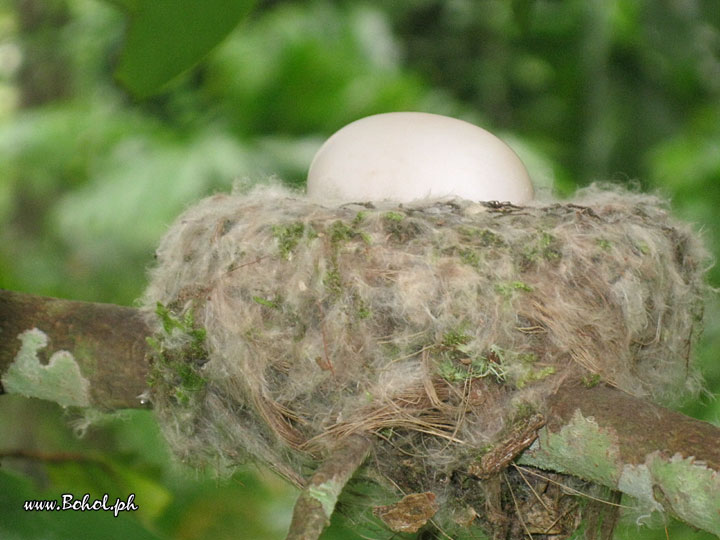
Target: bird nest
{"type": "Point", "coordinates": [438, 327]}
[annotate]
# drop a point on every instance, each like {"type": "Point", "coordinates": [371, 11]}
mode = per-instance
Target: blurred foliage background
{"type": "Point", "coordinates": [90, 177]}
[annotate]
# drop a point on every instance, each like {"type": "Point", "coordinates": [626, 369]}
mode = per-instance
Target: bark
{"type": "Point", "coordinates": [106, 341]}
{"type": "Point", "coordinates": [316, 503]}
{"type": "Point", "coordinates": [666, 460]}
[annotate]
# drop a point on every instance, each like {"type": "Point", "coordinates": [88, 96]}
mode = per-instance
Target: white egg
{"type": "Point", "coordinates": [403, 156]}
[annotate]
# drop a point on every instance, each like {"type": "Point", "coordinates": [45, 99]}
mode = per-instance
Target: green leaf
{"type": "Point", "coordinates": [167, 37]}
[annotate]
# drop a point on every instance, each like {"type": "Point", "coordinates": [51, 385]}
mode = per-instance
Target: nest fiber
{"type": "Point", "coordinates": [284, 325]}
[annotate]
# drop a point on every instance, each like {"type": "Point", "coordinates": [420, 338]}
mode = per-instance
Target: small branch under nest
{"type": "Point", "coordinates": [316, 503]}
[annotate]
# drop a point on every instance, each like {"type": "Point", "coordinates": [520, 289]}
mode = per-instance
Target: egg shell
{"type": "Point", "coordinates": [404, 156]}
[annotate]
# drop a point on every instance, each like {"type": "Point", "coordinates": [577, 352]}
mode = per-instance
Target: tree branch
{"type": "Point", "coordinates": [316, 503]}
{"type": "Point", "coordinates": [664, 459]}
{"type": "Point", "coordinates": [106, 341]}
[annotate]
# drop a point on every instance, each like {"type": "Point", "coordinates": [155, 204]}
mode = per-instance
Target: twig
{"type": "Point", "coordinates": [517, 507]}
{"type": "Point", "coordinates": [35, 455]}
{"type": "Point", "coordinates": [317, 500]}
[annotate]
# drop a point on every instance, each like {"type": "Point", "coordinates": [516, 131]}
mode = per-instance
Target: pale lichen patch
{"type": "Point", "coordinates": [581, 446]}
{"type": "Point", "coordinates": [636, 480]}
{"type": "Point", "coordinates": [690, 488]}
{"type": "Point", "coordinates": [60, 380]}
{"type": "Point", "coordinates": [326, 494]}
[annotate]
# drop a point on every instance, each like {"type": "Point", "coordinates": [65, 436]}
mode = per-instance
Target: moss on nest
{"type": "Point", "coordinates": [429, 325]}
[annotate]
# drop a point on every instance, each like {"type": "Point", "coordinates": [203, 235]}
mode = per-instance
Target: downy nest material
{"type": "Point", "coordinates": [283, 325]}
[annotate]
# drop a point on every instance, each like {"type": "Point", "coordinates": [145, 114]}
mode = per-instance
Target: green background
{"type": "Point", "coordinates": [114, 116]}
